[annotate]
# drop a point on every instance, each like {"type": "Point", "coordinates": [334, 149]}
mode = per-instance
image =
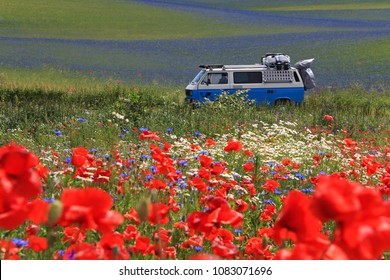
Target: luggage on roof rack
{"type": "Point", "coordinates": [278, 61]}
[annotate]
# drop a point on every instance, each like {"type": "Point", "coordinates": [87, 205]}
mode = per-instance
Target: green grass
{"type": "Point", "coordinates": [30, 114]}
{"type": "Point", "coordinates": [53, 79]}
{"type": "Point", "coordinates": [119, 20]}
{"type": "Point", "coordinates": [109, 20]}
{"type": "Point", "coordinates": [325, 6]}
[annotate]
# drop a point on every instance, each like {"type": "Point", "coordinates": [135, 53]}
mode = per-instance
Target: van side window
{"type": "Point", "coordinates": [247, 77]}
{"type": "Point", "coordinates": [217, 78]}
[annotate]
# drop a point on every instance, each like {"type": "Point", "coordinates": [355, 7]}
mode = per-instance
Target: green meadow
{"type": "Point", "coordinates": [113, 20]}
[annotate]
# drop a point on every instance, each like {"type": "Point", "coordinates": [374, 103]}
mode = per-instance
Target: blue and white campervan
{"type": "Point", "coordinates": [271, 81]}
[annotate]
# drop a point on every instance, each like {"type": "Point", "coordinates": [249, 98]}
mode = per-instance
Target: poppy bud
{"type": "Point", "coordinates": [143, 209]}
{"type": "Point", "coordinates": [55, 212]}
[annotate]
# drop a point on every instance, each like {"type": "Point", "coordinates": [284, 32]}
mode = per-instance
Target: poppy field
{"type": "Point", "coordinates": [101, 158]}
{"type": "Point", "coordinates": [163, 41]}
{"type": "Point", "coordinates": [87, 178]}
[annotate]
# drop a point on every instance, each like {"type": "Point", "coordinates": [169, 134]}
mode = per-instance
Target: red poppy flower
{"type": "Point", "coordinates": [316, 249]}
{"type": "Point", "coordinates": [198, 183]}
{"type": "Point", "coordinates": [132, 215]}
{"type": "Point", "coordinates": [149, 135]}
{"type": "Point", "coordinates": [268, 213]}
{"type": "Point", "coordinates": [218, 168]}
{"type": "Point", "coordinates": [17, 174]}
{"type": "Point", "coordinates": [271, 185]}
{"type": "Point", "coordinates": [39, 211]}
{"type": "Point", "coordinates": [80, 157]}
{"type": "Point", "coordinates": [296, 221]}
{"type": "Point", "coordinates": [328, 118]}
{"type": "Point", "coordinates": [248, 153]}
{"type": "Point", "coordinates": [255, 249]}
{"type": "Point", "coordinates": [242, 206]}
{"type": "Point", "coordinates": [168, 253]}
{"type": "Point", "coordinates": [205, 161]}
{"type": "Point", "coordinates": [13, 211]}
{"type": "Point", "coordinates": [83, 251]}
{"type": "Point", "coordinates": [130, 232]}
{"type": "Point", "coordinates": [167, 147]}
{"type": "Point", "coordinates": [210, 142]}
{"type": "Point", "coordinates": [156, 184]}
{"type": "Point", "coordinates": [73, 235]}
{"type": "Point", "coordinates": [221, 213]}
{"type": "Point", "coordinates": [142, 246]}
{"type": "Point", "coordinates": [233, 145]}
{"type": "Point", "coordinates": [36, 243]}
{"type": "Point", "coordinates": [158, 214]}
{"type": "Point", "coordinates": [224, 249]}
{"type": "Point", "coordinates": [162, 236]}
{"type": "Point", "coordinates": [32, 229]}
{"type": "Point", "coordinates": [9, 250]}
{"type": "Point", "coordinates": [90, 208]}
{"type": "Point", "coordinates": [114, 246]}
{"type": "Point", "coordinates": [204, 173]}
{"type": "Point", "coordinates": [334, 199]}
{"type": "Point", "coordinates": [265, 232]}
{"type": "Point", "coordinates": [248, 167]}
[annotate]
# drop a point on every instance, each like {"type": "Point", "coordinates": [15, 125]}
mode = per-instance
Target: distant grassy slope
{"type": "Point", "coordinates": [279, 4]}
{"type": "Point", "coordinates": [104, 19]}
{"type": "Point", "coordinates": [331, 6]}
{"type": "Point", "coordinates": [112, 20]}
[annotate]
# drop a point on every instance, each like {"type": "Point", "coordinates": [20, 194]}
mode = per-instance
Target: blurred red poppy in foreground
{"type": "Point", "coordinates": [90, 208]}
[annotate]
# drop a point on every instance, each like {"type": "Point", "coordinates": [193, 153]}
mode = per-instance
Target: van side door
{"type": "Point", "coordinates": [213, 84]}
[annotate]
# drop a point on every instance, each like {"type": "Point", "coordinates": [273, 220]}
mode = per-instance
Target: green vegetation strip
{"type": "Point", "coordinates": [324, 7]}
{"type": "Point", "coordinates": [107, 20]}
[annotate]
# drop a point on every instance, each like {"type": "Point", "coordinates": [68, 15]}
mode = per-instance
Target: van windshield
{"type": "Point", "coordinates": [197, 78]}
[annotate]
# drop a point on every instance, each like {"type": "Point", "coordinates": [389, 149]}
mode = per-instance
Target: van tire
{"type": "Point", "coordinates": [282, 102]}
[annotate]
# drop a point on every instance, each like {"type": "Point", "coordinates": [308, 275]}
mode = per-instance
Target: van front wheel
{"type": "Point", "coordinates": [282, 103]}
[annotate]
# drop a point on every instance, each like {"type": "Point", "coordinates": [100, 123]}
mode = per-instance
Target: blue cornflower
{"type": "Point", "coordinates": [169, 130]}
{"type": "Point", "coordinates": [238, 231]}
{"type": "Point", "coordinates": [307, 190]}
{"type": "Point", "coordinates": [61, 253]}
{"type": "Point", "coordinates": [148, 177]}
{"type": "Point", "coordinates": [276, 191]}
{"type": "Point", "coordinates": [107, 157]}
{"type": "Point", "coordinates": [125, 130]}
{"type": "Point", "coordinates": [82, 119]}
{"type": "Point", "coordinates": [197, 133]}
{"type": "Point", "coordinates": [269, 201]}
{"type": "Point", "coordinates": [19, 242]}
{"type": "Point", "coordinates": [142, 129]}
{"type": "Point", "coordinates": [68, 160]}
{"type": "Point", "coordinates": [198, 248]}
{"type": "Point", "coordinates": [300, 176]}
{"type": "Point", "coordinates": [183, 162]}
{"type": "Point", "coordinates": [49, 200]}
{"type": "Point", "coordinates": [57, 132]}
{"type": "Point", "coordinates": [153, 169]}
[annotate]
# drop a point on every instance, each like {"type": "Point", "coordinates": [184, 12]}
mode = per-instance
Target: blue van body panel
{"type": "Point", "coordinates": [259, 95]}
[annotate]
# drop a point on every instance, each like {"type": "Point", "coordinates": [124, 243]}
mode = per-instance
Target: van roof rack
{"type": "Point", "coordinates": [243, 66]}
{"type": "Point", "coordinates": [211, 66]}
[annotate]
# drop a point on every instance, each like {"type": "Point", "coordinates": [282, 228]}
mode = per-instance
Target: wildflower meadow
{"type": "Point", "coordinates": [101, 158]}
{"type": "Point", "coordinates": [256, 182]}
